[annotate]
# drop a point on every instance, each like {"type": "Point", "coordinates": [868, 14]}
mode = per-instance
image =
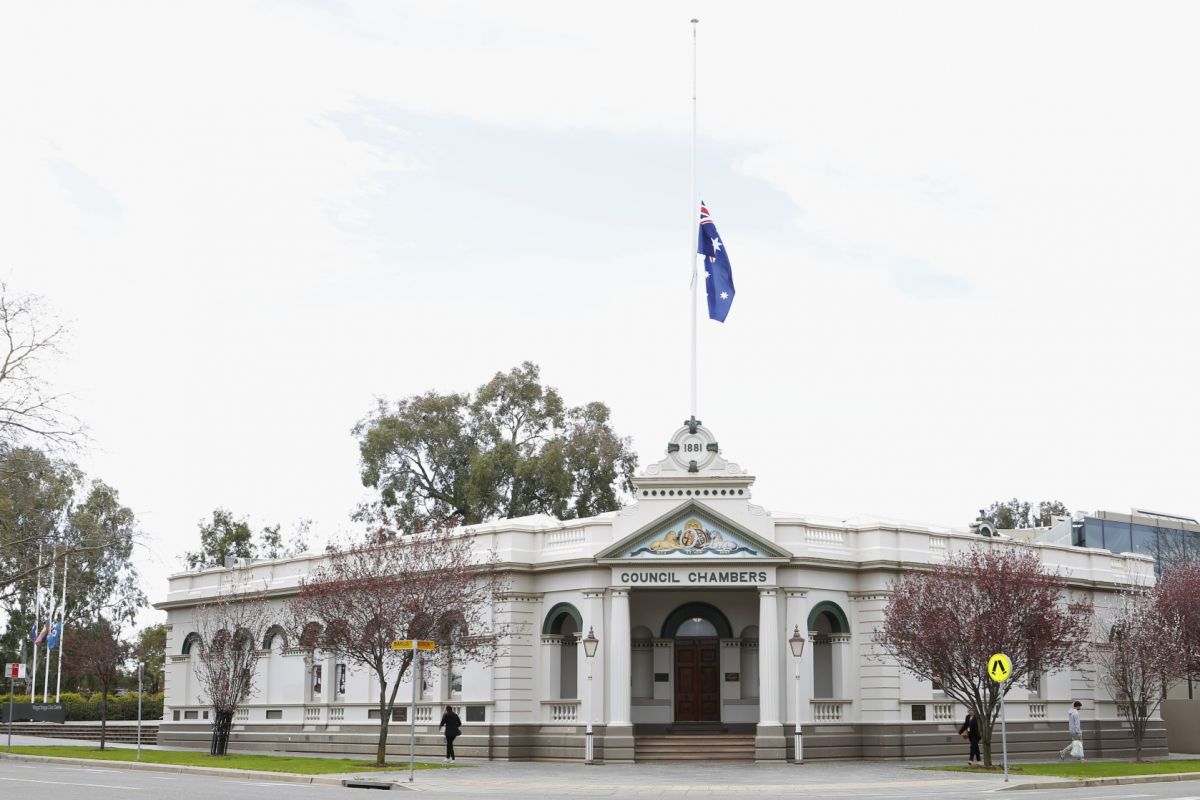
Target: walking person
{"type": "Point", "coordinates": [1075, 748]}
{"type": "Point", "coordinates": [453, 727]}
{"type": "Point", "coordinates": [970, 732]}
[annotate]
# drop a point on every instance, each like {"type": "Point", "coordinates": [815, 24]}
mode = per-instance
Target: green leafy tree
{"type": "Point", "coordinates": [51, 517]}
{"type": "Point", "coordinates": [1012, 514]}
{"type": "Point", "coordinates": [151, 650]}
{"type": "Point", "coordinates": [272, 545]}
{"type": "Point", "coordinates": [511, 449]}
{"type": "Point", "coordinates": [225, 536]}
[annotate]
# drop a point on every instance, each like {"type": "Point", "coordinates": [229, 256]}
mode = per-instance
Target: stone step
{"type": "Point", "coordinates": [694, 747]}
{"type": "Point", "coordinates": [115, 733]}
{"type": "Point", "coordinates": [695, 741]}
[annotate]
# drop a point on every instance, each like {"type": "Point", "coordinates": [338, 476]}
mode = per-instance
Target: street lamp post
{"type": "Point", "coordinates": [796, 642]}
{"type": "Point", "coordinates": [590, 645]}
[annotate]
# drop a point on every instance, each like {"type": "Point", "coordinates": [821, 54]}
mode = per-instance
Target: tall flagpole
{"type": "Point", "coordinates": [49, 621]}
{"type": "Point", "coordinates": [37, 613]}
{"type": "Point", "coordinates": [62, 624]}
{"type": "Point", "coordinates": [693, 220]}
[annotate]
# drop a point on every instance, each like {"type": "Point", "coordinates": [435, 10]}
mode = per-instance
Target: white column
{"type": "Point", "coordinates": [593, 620]}
{"type": "Point", "coordinates": [619, 659]}
{"type": "Point", "coordinates": [551, 666]}
{"type": "Point", "coordinates": [800, 691]}
{"type": "Point", "coordinates": [769, 637]}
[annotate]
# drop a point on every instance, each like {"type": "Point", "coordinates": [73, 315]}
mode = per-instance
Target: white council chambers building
{"type": "Point", "coordinates": [693, 591]}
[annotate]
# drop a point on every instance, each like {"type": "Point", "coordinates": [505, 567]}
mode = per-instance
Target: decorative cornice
{"type": "Point", "coordinates": [520, 597]}
{"type": "Point", "coordinates": [878, 594]}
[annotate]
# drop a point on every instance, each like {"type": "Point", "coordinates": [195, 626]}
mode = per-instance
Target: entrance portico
{"type": "Point", "coordinates": [695, 629]}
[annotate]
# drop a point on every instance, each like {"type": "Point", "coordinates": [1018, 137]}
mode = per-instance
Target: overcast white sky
{"type": "Point", "coordinates": [964, 239]}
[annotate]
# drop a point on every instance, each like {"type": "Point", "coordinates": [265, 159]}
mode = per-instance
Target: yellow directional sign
{"type": "Point", "coordinates": [999, 667]}
{"type": "Point", "coordinates": [413, 644]}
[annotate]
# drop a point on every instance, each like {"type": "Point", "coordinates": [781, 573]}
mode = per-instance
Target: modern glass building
{"type": "Point", "coordinates": [1164, 537]}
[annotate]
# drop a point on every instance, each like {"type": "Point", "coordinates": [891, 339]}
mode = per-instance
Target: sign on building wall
{"type": "Point", "coordinates": [698, 576]}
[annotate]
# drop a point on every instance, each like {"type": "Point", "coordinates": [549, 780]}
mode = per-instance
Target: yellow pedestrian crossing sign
{"type": "Point", "coordinates": [999, 668]}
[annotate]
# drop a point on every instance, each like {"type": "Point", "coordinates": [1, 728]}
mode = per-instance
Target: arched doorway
{"type": "Point", "coordinates": [697, 629]}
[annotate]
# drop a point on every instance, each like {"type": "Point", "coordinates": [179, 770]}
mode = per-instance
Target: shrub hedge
{"type": "Point", "coordinates": [87, 709]}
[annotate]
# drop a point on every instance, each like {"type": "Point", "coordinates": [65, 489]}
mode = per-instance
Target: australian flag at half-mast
{"type": "Point", "coordinates": [718, 275]}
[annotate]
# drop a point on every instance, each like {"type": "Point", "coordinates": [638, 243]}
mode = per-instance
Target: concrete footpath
{"type": "Point", "coordinates": [525, 779]}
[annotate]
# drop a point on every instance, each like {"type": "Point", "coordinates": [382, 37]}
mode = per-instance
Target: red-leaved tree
{"type": "Point", "coordinates": [98, 650]}
{"type": "Point", "coordinates": [1141, 649]}
{"type": "Point", "coordinates": [946, 622]}
{"type": "Point", "coordinates": [436, 586]}
{"type": "Point", "coordinates": [1178, 594]}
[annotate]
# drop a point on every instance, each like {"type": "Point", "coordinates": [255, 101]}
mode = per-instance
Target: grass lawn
{"type": "Point", "coordinates": [1088, 769]}
{"type": "Point", "coordinates": [294, 764]}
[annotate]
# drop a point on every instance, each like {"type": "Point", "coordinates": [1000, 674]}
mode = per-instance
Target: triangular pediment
{"type": "Point", "coordinates": [693, 531]}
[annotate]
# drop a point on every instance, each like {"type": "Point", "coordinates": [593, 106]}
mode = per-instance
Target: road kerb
{"type": "Point", "coordinates": [182, 769]}
{"type": "Point", "coordinates": [1082, 783]}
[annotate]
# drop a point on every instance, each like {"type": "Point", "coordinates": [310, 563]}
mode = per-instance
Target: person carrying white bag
{"type": "Point", "coordinates": [1075, 748]}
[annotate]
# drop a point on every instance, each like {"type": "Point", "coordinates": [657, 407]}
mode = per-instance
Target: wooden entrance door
{"type": "Point", "coordinates": [697, 680]}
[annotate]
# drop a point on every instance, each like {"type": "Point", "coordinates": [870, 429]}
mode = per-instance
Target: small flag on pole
{"type": "Point", "coordinates": [55, 634]}
{"type": "Point", "coordinates": [41, 635]}
{"type": "Point", "coordinates": [718, 274]}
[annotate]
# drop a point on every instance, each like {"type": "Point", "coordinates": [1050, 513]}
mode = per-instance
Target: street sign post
{"type": "Point", "coordinates": [419, 646]}
{"type": "Point", "coordinates": [1000, 670]}
{"type": "Point", "coordinates": [15, 672]}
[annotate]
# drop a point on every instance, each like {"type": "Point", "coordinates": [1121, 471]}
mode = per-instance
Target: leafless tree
{"type": "Point", "coordinates": [1141, 649]}
{"type": "Point", "coordinates": [30, 412]}
{"type": "Point", "coordinates": [435, 586]}
{"type": "Point", "coordinates": [230, 626]}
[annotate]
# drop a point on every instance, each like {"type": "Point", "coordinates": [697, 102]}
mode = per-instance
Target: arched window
{"type": "Point", "coordinates": [695, 626]}
{"type": "Point", "coordinates": [560, 631]}
{"type": "Point", "coordinates": [275, 636]}
{"type": "Point", "coordinates": [697, 620]}
{"type": "Point", "coordinates": [310, 637]}
{"type": "Point", "coordinates": [827, 622]}
{"type": "Point", "coordinates": [559, 615]}
{"type": "Point", "coordinates": [189, 641]}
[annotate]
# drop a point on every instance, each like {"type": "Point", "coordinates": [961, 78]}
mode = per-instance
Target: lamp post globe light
{"type": "Point", "coordinates": [590, 645]}
{"type": "Point", "coordinates": [796, 642]}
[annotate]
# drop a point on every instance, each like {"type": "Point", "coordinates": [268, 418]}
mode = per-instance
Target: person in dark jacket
{"type": "Point", "coordinates": [453, 726]}
{"type": "Point", "coordinates": [970, 732]}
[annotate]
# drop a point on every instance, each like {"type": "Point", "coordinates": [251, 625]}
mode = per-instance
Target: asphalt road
{"type": "Point", "coordinates": [29, 781]}
{"type": "Point", "coordinates": [22, 781]}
